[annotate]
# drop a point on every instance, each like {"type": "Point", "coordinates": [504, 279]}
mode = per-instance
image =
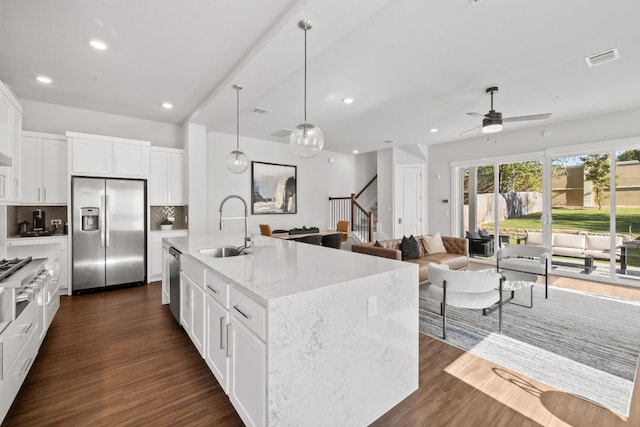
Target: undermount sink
{"type": "Point", "coordinates": [225, 252]}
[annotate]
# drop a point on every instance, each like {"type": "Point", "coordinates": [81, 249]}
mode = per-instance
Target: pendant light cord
{"type": "Point", "coordinates": [237, 118]}
{"type": "Point", "coordinates": [305, 77]}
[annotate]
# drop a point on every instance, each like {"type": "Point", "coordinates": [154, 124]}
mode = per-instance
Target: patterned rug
{"type": "Point", "coordinates": [580, 343]}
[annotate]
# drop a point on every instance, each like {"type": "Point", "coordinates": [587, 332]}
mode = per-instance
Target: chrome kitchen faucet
{"type": "Point", "coordinates": [247, 237]}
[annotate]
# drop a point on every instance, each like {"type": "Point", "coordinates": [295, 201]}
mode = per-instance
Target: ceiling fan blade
{"type": "Point", "coordinates": [525, 118]}
{"type": "Point", "coordinates": [476, 115]}
{"type": "Point", "coordinates": [470, 130]}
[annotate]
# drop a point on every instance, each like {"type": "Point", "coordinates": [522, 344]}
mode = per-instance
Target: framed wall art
{"type": "Point", "coordinates": [273, 188]}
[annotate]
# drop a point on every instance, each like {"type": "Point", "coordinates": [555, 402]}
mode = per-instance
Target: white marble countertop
{"type": "Point", "coordinates": [279, 268]}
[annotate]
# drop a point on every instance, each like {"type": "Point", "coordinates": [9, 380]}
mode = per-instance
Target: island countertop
{"type": "Point", "coordinates": [278, 268]}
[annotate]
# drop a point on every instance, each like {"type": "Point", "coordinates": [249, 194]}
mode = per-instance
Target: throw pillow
{"type": "Point", "coordinates": [433, 244]}
{"type": "Point", "coordinates": [484, 234]}
{"type": "Point", "coordinates": [378, 244]}
{"type": "Point", "coordinates": [409, 248]}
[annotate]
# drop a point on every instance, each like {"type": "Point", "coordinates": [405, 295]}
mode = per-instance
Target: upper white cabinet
{"type": "Point", "coordinates": [44, 168]}
{"type": "Point", "coordinates": [10, 128]}
{"type": "Point", "coordinates": [98, 155]}
{"type": "Point", "coordinates": [166, 177]}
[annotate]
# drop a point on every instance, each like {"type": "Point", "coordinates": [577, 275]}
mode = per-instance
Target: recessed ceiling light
{"type": "Point", "coordinates": [389, 141]}
{"type": "Point", "coordinates": [355, 151]}
{"type": "Point", "coordinates": [98, 44]}
{"type": "Point", "coordinates": [44, 80]}
{"type": "Point", "coordinates": [348, 100]}
{"type": "Point", "coordinates": [433, 130]}
{"type": "Point", "coordinates": [167, 105]}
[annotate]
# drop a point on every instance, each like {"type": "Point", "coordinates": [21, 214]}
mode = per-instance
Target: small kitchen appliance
{"type": "Point", "coordinates": [38, 220]}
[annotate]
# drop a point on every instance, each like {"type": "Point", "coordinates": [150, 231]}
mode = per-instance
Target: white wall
{"type": "Point", "coordinates": [57, 119]}
{"type": "Point", "coordinates": [607, 127]}
{"type": "Point", "coordinates": [195, 137]}
{"type": "Point", "coordinates": [317, 180]}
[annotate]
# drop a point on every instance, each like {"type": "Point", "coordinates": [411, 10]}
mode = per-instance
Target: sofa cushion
{"type": "Point", "coordinates": [600, 242]}
{"type": "Point", "coordinates": [566, 240]}
{"type": "Point", "coordinates": [378, 244]}
{"type": "Point", "coordinates": [453, 261]}
{"type": "Point", "coordinates": [433, 244]}
{"type": "Point", "coordinates": [409, 248]}
{"type": "Point", "coordinates": [484, 234]}
{"type": "Point", "coordinates": [534, 238]}
{"type": "Point", "coordinates": [570, 252]}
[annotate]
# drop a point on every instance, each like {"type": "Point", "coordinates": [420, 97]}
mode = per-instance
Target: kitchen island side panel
{"type": "Point", "coordinates": [329, 363]}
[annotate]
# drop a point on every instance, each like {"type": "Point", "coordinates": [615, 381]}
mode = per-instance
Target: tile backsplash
{"type": "Point", "coordinates": [158, 214]}
{"type": "Point", "coordinates": [18, 214]}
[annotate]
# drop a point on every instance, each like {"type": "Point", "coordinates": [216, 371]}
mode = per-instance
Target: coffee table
{"type": "Point", "coordinates": [513, 281]}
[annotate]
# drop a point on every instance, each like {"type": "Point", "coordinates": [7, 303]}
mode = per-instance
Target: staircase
{"type": "Point", "coordinates": [360, 210]}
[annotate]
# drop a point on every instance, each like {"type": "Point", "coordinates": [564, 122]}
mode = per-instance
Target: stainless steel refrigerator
{"type": "Point", "coordinates": [109, 232]}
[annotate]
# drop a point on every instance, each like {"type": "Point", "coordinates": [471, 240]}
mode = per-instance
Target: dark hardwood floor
{"type": "Point", "coordinates": [119, 358]}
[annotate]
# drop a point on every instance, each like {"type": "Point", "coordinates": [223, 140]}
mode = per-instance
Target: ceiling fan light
{"type": "Point", "coordinates": [306, 140]}
{"type": "Point", "coordinates": [492, 128]}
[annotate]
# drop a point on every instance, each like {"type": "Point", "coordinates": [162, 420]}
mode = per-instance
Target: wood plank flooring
{"type": "Point", "coordinates": [119, 358]}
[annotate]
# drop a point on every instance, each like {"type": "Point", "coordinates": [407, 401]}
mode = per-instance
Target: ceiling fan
{"type": "Point", "coordinates": [492, 121]}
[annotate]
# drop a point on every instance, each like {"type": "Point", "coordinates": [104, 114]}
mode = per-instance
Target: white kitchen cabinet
{"type": "Point", "coordinates": [44, 175]}
{"type": "Point", "coordinates": [155, 257]}
{"type": "Point", "coordinates": [217, 321]}
{"type": "Point", "coordinates": [192, 313]}
{"type": "Point", "coordinates": [166, 177]}
{"type": "Point", "coordinates": [97, 155]}
{"type": "Point", "coordinates": [10, 128]}
{"type": "Point", "coordinates": [248, 374]}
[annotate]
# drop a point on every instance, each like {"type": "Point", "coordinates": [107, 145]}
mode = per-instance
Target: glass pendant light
{"type": "Point", "coordinates": [237, 161]}
{"type": "Point", "coordinates": [306, 140]}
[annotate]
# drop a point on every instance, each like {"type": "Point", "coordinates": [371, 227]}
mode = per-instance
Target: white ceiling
{"type": "Point", "coordinates": [410, 64]}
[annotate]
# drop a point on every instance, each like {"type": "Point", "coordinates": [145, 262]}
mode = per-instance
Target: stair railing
{"type": "Point", "coordinates": [348, 209]}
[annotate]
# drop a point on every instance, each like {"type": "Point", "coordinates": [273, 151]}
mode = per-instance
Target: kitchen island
{"type": "Point", "coordinates": [299, 334]}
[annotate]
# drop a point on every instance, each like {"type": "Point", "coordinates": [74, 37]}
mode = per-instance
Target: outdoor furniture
{"type": "Point", "coordinates": [464, 289]}
{"type": "Point", "coordinates": [525, 259]}
{"type": "Point", "coordinates": [478, 245]}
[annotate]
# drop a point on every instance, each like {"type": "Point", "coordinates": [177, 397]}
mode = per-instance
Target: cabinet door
{"type": "Point", "coordinates": [166, 260]}
{"type": "Point", "coordinates": [175, 178]}
{"type": "Point", "coordinates": [130, 160]}
{"type": "Point", "coordinates": [17, 155]}
{"type": "Point", "coordinates": [91, 157]}
{"type": "Point", "coordinates": [248, 375]}
{"type": "Point", "coordinates": [32, 169]}
{"type": "Point", "coordinates": [6, 131]}
{"type": "Point", "coordinates": [54, 171]}
{"type": "Point", "coordinates": [155, 260]}
{"type": "Point", "coordinates": [158, 178]}
{"type": "Point", "coordinates": [198, 319]}
{"type": "Point", "coordinates": [217, 319]}
{"type": "Point", "coordinates": [186, 312]}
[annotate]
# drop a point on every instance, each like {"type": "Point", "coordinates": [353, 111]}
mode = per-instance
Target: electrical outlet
{"type": "Point", "coordinates": [372, 307]}
{"type": "Point", "coordinates": [56, 222]}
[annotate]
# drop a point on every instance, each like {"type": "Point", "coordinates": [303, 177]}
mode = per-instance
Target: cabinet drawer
{"type": "Point", "coordinates": [217, 288]}
{"type": "Point", "coordinates": [17, 335]}
{"type": "Point", "coordinates": [193, 269]}
{"type": "Point", "coordinates": [52, 306]}
{"type": "Point", "coordinates": [249, 312]}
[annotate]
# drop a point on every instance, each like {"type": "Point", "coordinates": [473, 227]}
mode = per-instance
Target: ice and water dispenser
{"type": "Point", "coordinates": [90, 218]}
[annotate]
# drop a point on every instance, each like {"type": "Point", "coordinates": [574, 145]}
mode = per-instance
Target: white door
{"type": "Point", "coordinates": [408, 200]}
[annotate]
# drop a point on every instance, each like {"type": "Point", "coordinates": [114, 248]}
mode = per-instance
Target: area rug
{"type": "Point", "coordinates": [583, 344]}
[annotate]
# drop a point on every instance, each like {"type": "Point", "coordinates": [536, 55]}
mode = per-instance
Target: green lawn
{"type": "Point", "coordinates": [579, 219]}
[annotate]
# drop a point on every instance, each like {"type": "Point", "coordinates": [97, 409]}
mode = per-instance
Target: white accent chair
{"type": "Point", "coordinates": [532, 259]}
{"type": "Point", "coordinates": [464, 289]}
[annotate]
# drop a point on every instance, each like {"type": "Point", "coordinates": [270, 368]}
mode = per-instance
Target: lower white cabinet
{"type": "Point", "coordinates": [192, 312]}
{"type": "Point", "coordinates": [216, 344]}
{"type": "Point", "coordinates": [229, 330]}
{"type": "Point", "coordinates": [248, 374]}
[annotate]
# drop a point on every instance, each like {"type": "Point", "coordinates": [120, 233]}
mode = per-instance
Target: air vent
{"type": "Point", "coordinates": [282, 133]}
{"type": "Point", "coordinates": [602, 57]}
{"type": "Point", "coordinates": [259, 110]}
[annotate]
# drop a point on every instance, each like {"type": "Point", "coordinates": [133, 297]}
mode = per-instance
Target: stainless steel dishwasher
{"type": "Point", "coordinates": [174, 283]}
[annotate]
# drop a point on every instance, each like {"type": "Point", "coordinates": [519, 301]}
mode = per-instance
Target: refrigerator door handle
{"type": "Point", "coordinates": [106, 224]}
{"type": "Point", "coordinates": [102, 222]}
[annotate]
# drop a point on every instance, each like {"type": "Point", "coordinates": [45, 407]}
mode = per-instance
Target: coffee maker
{"type": "Point", "coordinates": [38, 220]}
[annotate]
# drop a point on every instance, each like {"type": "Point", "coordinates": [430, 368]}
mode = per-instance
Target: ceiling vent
{"type": "Point", "coordinates": [602, 57]}
{"type": "Point", "coordinates": [282, 133]}
{"type": "Point", "coordinates": [259, 110]}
